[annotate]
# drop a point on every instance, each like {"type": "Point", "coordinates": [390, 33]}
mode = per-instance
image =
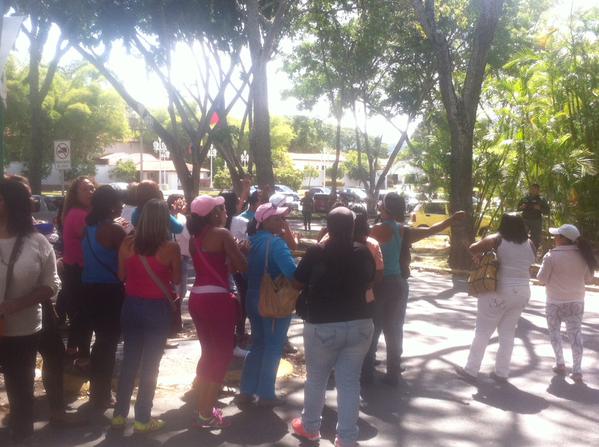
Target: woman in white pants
{"type": "Point", "coordinates": [500, 310]}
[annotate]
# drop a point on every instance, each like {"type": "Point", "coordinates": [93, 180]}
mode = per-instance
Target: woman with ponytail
{"type": "Point", "coordinates": [564, 272]}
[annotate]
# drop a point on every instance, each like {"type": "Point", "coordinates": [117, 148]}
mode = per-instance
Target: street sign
{"type": "Point", "coordinates": [62, 155]}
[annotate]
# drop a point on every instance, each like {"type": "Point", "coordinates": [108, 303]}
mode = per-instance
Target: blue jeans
{"type": "Point", "coordinates": [145, 326]}
{"type": "Point", "coordinates": [390, 303]}
{"type": "Point", "coordinates": [261, 364]}
{"type": "Point", "coordinates": [341, 346]}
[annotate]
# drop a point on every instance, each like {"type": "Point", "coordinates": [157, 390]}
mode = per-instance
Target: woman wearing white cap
{"type": "Point", "coordinates": [214, 309]}
{"type": "Point", "coordinates": [268, 334]}
{"type": "Point", "coordinates": [565, 270]}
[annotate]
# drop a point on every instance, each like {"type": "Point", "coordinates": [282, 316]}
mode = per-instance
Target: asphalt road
{"type": "Point", "coordinates": [431, 407]}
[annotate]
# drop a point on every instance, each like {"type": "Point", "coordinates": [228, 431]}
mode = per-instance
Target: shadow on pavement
{"type": "Point", "coordinates": [507, 397]}
{"type": "Point", "coordinates": [582, 393]}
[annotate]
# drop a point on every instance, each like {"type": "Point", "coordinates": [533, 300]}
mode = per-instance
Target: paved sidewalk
{"type": "Point", "coordinates": [431, 407]}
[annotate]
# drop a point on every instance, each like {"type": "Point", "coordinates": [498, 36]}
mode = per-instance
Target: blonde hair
{"type": "Point", "coordinates": [153, 228]}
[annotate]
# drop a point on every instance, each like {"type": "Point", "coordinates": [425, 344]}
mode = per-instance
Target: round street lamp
{"type": "Point", "coordinates": [245, 159]}
{"type": "Point", "coordinates": [211, 156]}
{"type": "Point", "coordinates": [163, 154]}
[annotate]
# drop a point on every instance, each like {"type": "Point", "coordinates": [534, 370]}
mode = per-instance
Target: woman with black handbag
{"type": "Point", "coordinates": [28, 277]}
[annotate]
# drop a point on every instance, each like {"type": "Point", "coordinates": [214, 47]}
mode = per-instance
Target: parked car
{"type": "Point", "coordinates": [358, 194]}
{"type": "Point", "coordinates": [319, 190]}
{"type": "Point", "coordinates": [322, 202]}
{"type": "Point", "coordinates": [427, 214]}
{"type": "Point", "coordinates": [45, 207]}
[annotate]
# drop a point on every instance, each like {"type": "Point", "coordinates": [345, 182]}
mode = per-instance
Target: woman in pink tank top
{"type": "Point", "coordinates": [214, 309]}
{"type": "Point", "coordinates": [150, 266]}
{"type": "Point", "coordinates": [77, 205]}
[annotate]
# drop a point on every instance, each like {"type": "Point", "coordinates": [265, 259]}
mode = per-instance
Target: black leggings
{"type": "Point", "coordinates": [103, 306]}
{"type": "Point", "coordinates": [51, 348]}
{"type": "Point", "coordinates": [17, 357]}
{"type": "Point", "coordinates": [80, 333]}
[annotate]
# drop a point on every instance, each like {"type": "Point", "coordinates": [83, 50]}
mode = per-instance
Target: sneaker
{"type": "Point", "coordinates": [298, 429]}
{"type": "Point", "coordinates": [576, 377]}
{"type": "Point", "coordinates": [465, 375]}
{"type": "Point", "coordinates": [240, 352]}
{"type": "Point", "coordinates": [118, 423]}
{"type": "Point", "coordinates": [498, 379]}
{"type": "Point", "coordinates": [217, 421]}
{"type": "Point", "coordinates": [289, 349]}
{"type": "Point", "coordinates": [243, 399]}
{"type": "Point", "coordinates": [560, 369]}
{"type": "Point", "coordinates": [151, 426]}
{"type": "Point", "coordinates": [339, 443]}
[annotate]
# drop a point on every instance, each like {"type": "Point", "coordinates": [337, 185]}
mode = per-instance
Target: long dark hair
{"type": "Point", "coordinates": [17, 202]}
{"type": "Point", "coordinates": [340, 225]}
{"type": "Point", "coordinates": [512, 228]}
{"type": "Point", "coordinates": [586, 250]}
{"type": "Point", "coordinates": [231, 201]}
{"type": "Point", "coordinates": [361, 227]}
{"type": "Point", "coordinates": [153, 228]}
{"type": "Point", "coordinates": [71, 199]}
{"type": "Point", "coordinates": [197, 223]}
{"type": "Point", "coordinates": [105, 201]}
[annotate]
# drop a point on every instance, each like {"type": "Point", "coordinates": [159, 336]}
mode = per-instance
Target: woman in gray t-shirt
{"type": "Point", "coordinates": [27, 278]}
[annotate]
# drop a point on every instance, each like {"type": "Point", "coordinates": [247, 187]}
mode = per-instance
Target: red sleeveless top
{"type": "Point", "coordinates": [206, 276]}
{"type": "Point", "coordinates": [140, 285]}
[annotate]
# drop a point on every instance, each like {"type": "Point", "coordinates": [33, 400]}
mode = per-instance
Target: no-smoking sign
{"type": "Point", "coordinates": [62, 154]}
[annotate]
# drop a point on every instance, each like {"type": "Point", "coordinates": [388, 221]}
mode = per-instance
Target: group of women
{"type": "Point", "coordinates": [353, 288]}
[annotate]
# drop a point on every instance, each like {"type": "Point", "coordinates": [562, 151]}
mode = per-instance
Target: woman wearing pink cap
{"type": "Point", "coordinates": [564, 272]}
{"type": "Point", "coordinates": [268, 334]}
{"type": "Point", "coordinates": [212, 306]}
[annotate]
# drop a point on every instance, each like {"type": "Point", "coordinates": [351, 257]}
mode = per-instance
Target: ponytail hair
{"type": "Point", "coordinates": [586, 250]}
{"type": "Point", "coordinates": [197, 223]}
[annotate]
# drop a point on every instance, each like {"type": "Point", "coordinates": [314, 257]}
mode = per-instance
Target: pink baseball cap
{"type": "Point", "coordinates": [202, 205]}
{"type": "Point", "coordinates": [267, 210]}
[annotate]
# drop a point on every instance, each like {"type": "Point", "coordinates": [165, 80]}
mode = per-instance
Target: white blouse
{"type": "Point", "coordinates": [35, 266]}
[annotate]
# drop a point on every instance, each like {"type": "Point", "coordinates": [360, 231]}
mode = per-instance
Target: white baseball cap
{"type": "Point", "coordinates": [568, 231]}
{"type": "Point", "coordinates": [280, 199]}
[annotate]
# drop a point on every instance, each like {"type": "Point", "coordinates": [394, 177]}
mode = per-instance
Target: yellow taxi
{"type": "Point", "coordinates": [426, 214]}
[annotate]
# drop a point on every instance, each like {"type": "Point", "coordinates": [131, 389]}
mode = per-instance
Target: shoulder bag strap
{"type": "Point", "coordinates": [14, 255]}
{"type": "Point", "coordinates": [93, 252]}
{"type": "Point", "coordinates": [157, 281]}
{"type": "Point", "coordinates": [266, 256]}
{"type": "Point", "coordinates": [208, 266]}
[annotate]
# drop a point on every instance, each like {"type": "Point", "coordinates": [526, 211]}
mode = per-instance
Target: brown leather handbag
{"type": "Point", "coordinates": [277, 296]}
{"type": "Point", "coordinates": [484, 278]}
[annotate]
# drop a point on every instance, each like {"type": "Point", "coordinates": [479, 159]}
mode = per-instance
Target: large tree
{"type": "Point", "coordinates": [37, 31]}
{"type": "Point", "coordinates": [460, 96]}
{"type": "Point", "coordinates": [79, 106]}
{"type": "Point", "coordinates": [214, 33]}
{"type": "Point", "coordinates": [367, 58]}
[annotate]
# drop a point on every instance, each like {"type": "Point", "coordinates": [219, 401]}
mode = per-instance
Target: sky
{"type": "Point", "coordinates": [147, 88]}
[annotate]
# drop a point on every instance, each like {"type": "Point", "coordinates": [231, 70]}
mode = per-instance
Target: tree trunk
{"type": "Point", "coordinates": [36, 150]}
{"type": "Point", "coordinates": [335, 167]}
{"type": "Point", "coordinates": [461, 111]}
{"type": "Point", "coordinates": [260, 135]}
{"type": "Point", "coordinates": [462, 233]}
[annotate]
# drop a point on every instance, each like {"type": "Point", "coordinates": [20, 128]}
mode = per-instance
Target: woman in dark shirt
{"type": "Point", "coordinates": [338, 325]}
